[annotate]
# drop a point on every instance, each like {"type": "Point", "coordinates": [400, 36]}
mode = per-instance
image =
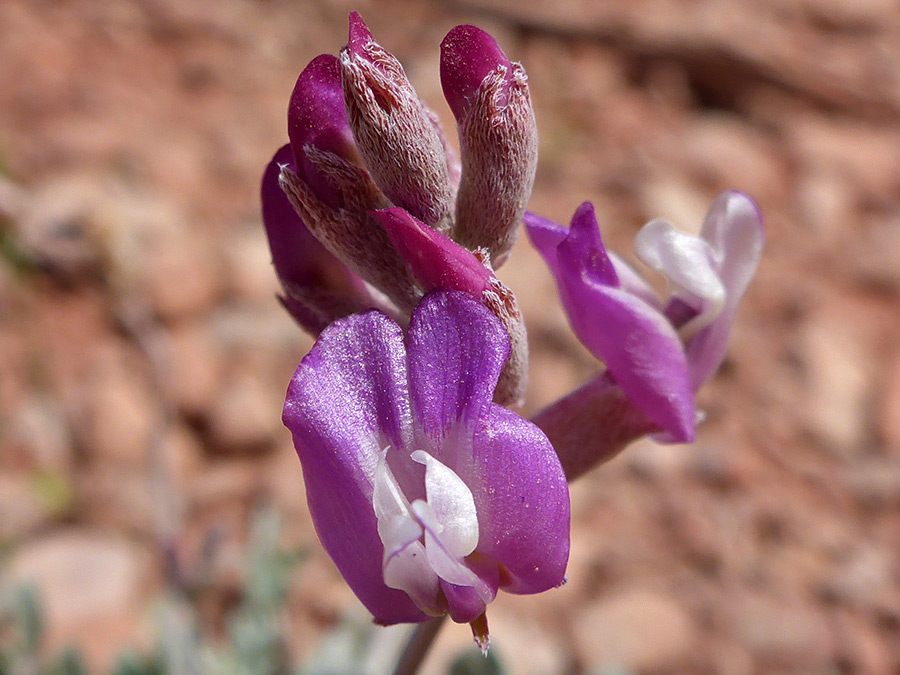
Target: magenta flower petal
{"type": "Point", "coordinates": [468, 55]}
{"type": "Point", "coordinates": [457, 349]}
{"type": "Point", "coordinates": [620, 323]}
{"type": "Point", "coordinates": [434, 259]}
{"type": "Point", "coordinates": [638, 343]}
{"type": "Point", "coordinates": [427, 496]}
{"type": "Point", "coordinates": [346, 402]}
{"type": "Point", "coordinates": [438, 262]}
{"type": "Point", "coordinates": [319, 288]}
{"type": "Point", "coordinates": [545, 236]}
{"type": "Point", "coordinates": [293, 247]}
{"type": "Point", "coordinates": [523, 496]}
{"type": "Point", "coordinates": [507, 462]}
{"type": "Point", "coordinates": [583, 253]}
{"type": "Point", "coordinates": [640, 348]}
{"type": "Point", "coordinates": [465, 605]}
{"type": "Point", "coordinates": [734, 229]}
{"type": "Point", "coordinates": [318, 119]}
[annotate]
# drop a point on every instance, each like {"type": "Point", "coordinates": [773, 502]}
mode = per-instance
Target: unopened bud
{"type": "Point", "coordinates": [437, 262]}
{"type": "Point", "coordinates": [349, 232]}
{"type": "Point", "coordinates": [498, 139]}
{"type": "Point", "coordinates": [394, 134]}
{"type": "Point", "coordinates": [329, 188]}
{"type": "Point", "coordinates": [317, 122]}
{"type": "Point", "coordinates": [318, 288]}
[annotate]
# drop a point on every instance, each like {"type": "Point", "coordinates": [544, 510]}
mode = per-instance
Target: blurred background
{"type": "Point", "coordinates": [150, 500]}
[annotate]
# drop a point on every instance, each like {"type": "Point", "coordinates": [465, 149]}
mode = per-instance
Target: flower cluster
{"type": "Point", "coordinates": [428, 494]}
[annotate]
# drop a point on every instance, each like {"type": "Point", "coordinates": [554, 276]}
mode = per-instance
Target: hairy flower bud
{"type": "Point", "coordinates": [498, 139]}
{"type": "Point", "coordinates": [318, 288]}
{"type": "Point", "coordinates": [329, 188]}
{"type": "Point", "coordinates": [437, 262]}
{"type": "Point", "coordinates": [395, 134]}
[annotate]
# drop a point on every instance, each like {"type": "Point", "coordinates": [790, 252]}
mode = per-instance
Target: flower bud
{"type": "Point", "coordinates": [351, 236]}
{"type": "Point", "coordinates": [395, 135]}
{"type": "Point", "coordinates": [318, 288]}
{"type": "Point", "coordinates": [437, 262]}
{"type": "Point", "coordinates": [498, 139]}
{"type": "Point", "coordinates": [331, 191]}
{"type": "Point", "coordinates": [318, 120]}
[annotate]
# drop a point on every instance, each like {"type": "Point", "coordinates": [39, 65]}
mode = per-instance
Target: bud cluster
{"type": "Point", "coordinates": [369, 206]}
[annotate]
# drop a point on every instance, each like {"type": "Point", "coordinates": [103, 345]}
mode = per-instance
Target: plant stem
{"type": "Point", "coordinates": [417, 648]}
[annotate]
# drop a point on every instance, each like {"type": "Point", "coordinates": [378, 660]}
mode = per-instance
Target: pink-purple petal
{"type": "Point", "coordinates": [545, 236]}
{"type": "Point", "coordinates": [464, 604]}
{"type": "Point", "coordinates": [318, 118]}
{"type": "Point", "coordinates": [347, 401]}
{"type": "Point", "coordinates": [583, 249]}
{"type": "Point", "coordinates": [639, 346]}
{"type": "Point", "coordinates": [456, 351]}
{"type": "Point", "coordinates": [434, 259]}
{"type": "Point", "coordinates": [468, 55]}
{"type": "Point", "coordinates": [638, 343]}
{"type": "Point", "coordinates": [522, 501]}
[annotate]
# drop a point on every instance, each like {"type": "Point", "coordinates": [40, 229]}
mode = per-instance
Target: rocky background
{"type": "Point", "coordinates": [143, 357]}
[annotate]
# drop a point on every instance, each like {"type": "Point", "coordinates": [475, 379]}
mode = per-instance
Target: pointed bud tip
{"type": "Point", "coordinates": [468, 56]}
{"type": "Point", "coordinates": [321, 76]}
{"type": "Point", "coordinates": [584, 246]}
{"type": "Point", "coordinates": [359, 34]}
{"type": "Point", "coordinates": [585, 210]}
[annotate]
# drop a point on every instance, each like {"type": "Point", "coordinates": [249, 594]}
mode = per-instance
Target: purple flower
{"type": "Point", "coordinates": [427, 496]}
{"type": "Point", "coordinates": [658, 353]}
